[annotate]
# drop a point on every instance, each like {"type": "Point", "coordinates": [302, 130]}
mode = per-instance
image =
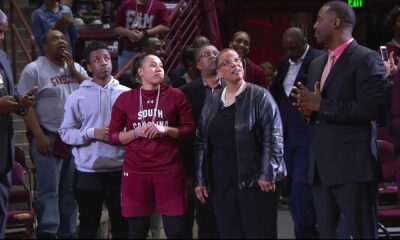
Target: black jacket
{"type": "Point", "coordinates": [343, 147]}
{"type": "Point", "coordinates": [259, 139]}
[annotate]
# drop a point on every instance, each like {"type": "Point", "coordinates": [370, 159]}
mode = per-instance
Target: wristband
{"type": "Point", "coordinates": [134, 134]}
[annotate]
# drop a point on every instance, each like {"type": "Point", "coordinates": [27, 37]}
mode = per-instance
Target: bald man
{"type": "Point", "coordinates": [294, 68]}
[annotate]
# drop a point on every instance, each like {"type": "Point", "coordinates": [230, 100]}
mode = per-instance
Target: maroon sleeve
{"type": "Point", "coordinates": [118, 119]}
{"type": "Point", "coordinates": [186, 124]}
{"type": "Point", "coordinates": [120, 18]}
{"type": "Point", "coordinates": [261, 77]}
{"type": "Point", "coordinates": [255, 74]}
{"type": "Point", "coordinates": [162, 15]}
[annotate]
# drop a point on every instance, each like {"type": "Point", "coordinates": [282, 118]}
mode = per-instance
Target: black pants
{"type": "Point", "coordinates": [244, 213]}
{"type": "Point", "coordinates": [173, 226]}
{"type": "Point", "coordinates": [90, 203]}
{"type": "Point", "coordinates": [205, 218]}
{"type": "Point", "coordinates": [357, 203]}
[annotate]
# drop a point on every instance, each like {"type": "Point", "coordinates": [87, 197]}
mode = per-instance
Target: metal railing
{"type": "Point", "coordinates": [184, 22]}
{"type": "Point", "coordinates": [16, 14]}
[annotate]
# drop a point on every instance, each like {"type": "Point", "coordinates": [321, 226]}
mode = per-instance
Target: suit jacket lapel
{"type": "Point", "coordinates": [340, 63]}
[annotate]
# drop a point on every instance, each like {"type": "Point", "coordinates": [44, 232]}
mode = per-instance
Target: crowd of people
{"type": "Point", "coordinates": [215, 142]}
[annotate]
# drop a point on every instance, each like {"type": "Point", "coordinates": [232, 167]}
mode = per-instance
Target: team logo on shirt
{"type": "Point", "coordinates": [63, 79]}
{"type": "Point", "coordinates": [146, 117]}
{"type": "Point", "coordinates": [136, 20]}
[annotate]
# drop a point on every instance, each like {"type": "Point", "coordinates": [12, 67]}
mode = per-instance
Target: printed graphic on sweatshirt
{"type": "Point", "coordinates": [146, 116]}
{"type": "Point", "coordinates": [63, 79]}
{"type": "Point", "coordinates": [138, 20]}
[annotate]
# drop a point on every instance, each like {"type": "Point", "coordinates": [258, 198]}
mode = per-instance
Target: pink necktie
{"type": "Point", "coordinates": [327, 69]}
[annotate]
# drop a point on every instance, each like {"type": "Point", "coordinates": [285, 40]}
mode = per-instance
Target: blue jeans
{"type": "Point", "coordinates": [124, 58]}
{"type": "Point", "coordinates": [55, 204]}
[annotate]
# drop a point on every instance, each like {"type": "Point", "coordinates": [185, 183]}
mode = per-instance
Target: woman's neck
{"type": "Point", "coordinates": [233, 87]}
{"type": "Point", "coordinates": [149, 86]}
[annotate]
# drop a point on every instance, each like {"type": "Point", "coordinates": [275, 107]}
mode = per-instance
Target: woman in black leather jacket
{"type": "Point", "coordinates": [239, 154]}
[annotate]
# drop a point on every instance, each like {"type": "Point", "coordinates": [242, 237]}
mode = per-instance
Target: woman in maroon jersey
{"type": "Point", "coordinates": [150, 120]}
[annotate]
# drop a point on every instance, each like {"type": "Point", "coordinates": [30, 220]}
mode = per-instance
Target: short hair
{"type": "Point", "coordinates": [344, 12]}
{"type": "Point", "coordinates": [222, 52]}
{"type": "Point", "coordinates": [188, 54]}
{"type": "Point", "coordinates": [199, 41]}
{"type": "Point", "coordinates": [93, 46]}
{"type": "Point", "coordinates": [267, 65]}
{"type": "Point", "coordinates": [3, 16]}
{"type": "Point", "coordinates": [236, 34]}
{"type": "Point", "coordinates": [198, 50]}
{"type": "Point", "coordinates": [296, 33]}
{"type": "Point", "coordinates": [392, 17]}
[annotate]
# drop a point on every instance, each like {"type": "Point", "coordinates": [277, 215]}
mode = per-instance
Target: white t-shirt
{"type": "Point", "coordinates": [55, 84]}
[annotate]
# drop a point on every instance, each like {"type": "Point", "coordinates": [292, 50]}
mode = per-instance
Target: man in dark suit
{"type": "Point", "coordinates": [9, 102]}
{"type": "Point", "coordinates": [344, 166]}
{"type": "Point", "coordinates": [294, 68]}
{"type": "Point", "coordinates": [197, 91]}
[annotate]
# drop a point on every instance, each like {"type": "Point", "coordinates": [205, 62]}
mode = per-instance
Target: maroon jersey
{"type": "Point", "coordinates": [254, 74]}
{"type": "Point", "coordinates": [159, 155]}
{"type": "Point", "coordinates": [141, 17]}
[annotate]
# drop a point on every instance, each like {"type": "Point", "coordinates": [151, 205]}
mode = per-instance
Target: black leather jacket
{"type": "Point", "coordinates": [259, 138]}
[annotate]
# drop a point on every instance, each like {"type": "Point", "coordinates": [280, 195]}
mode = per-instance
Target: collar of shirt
{"type": "Point", "coordinates": [45, 8]}
{"type": "Point", "coordinates": [300, 60]}
{"type": "Point", "coordinates": [218, 84]}
{"type": "Point", "coordinates": [339, 49]}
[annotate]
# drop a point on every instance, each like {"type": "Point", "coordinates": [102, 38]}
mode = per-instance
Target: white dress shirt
{"type": "Point", "coordinates": [291, 75]}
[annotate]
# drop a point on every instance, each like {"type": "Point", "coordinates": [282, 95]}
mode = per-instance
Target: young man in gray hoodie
{"type": "Point", "coordinates": [98, 164]}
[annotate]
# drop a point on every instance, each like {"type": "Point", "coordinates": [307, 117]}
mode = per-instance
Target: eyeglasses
{"type": "Point", "coordinates": [209, 54]}
{"type": "Point", "coordinates": [228, 62]}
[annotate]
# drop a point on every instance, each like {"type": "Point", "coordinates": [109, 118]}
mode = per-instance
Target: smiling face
{"type": "Point", "coordinates": [100, 64]}
{"type": "Point", "coordinates": [54, 44]}
{"type": "Point", "coordinates": [151, 72]}
{"type": "Point", "coordinates": [230, 66]}
{"type": "Point", "coordinates": [241, 44]}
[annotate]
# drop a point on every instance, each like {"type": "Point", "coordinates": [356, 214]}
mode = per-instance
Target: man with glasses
{"type": "Point", "coordinates": [197, 91]}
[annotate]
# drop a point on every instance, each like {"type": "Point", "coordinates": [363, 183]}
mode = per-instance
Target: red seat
{"type": "Point", "coordinates": [389, 194]}
{"type": "Point", "coordinates": [388, 189]}
{"type": "Point", "coordinates": [21, 218]}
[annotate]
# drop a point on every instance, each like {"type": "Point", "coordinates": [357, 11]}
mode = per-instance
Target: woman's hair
{"type": "Point", "coordinates": [138, 63]}
{"type": "Point", "coordinates": [392, 17]}
{"type": "Point", "coordinates": [222, 52]}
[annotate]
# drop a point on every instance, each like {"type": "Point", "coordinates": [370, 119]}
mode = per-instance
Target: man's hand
{"type": "Point", "coordinates": [307, 101]}
{"type": "Point", "coordinates": [101, 134]}
{"type": "Point", "coordinates": [64, 21]}
{"type": "Point", "coordinates": [8, 104]}
{"type": "Point", "coordinates": [43, 143]}
{"type": "Point", "coordinates": [27, 99]}
{"type": "Point", "coordinates": [135, 35]}
{"type": "Point", "coordinates": [66, 56]}
{"type": "Point", "coordinates": [266, 186]}
{"type": "Point", "coordinates": [201, 193]}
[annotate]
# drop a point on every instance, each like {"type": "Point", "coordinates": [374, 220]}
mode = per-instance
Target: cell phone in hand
{"type": "Point", "coordinates": [384, 53]}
